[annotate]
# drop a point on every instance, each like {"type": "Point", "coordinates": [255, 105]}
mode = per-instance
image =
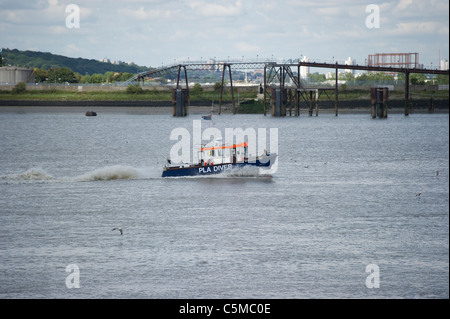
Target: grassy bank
{"type": "Point", "coordinates": [118, 95]}
{"type": "Point", "coordinates": [153, 94]}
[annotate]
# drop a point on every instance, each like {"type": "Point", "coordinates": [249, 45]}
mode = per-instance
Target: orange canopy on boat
{"type": "Point", "coordinates": [224, 147]}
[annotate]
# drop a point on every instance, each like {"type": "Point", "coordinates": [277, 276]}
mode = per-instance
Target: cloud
{"type": "Point", "coordinates": [420, 28]}
{"type": "Point", "coordinates": [178, 35]}
{"type": "Point", "coordinates": [404, 4]}
{"type": "Point", "coordinates": [71, 49]}
{"type": "Point", "coordinates": [143, 14]}
{"type": "Point", "coordinates": [206, 8]}
{"type": "Point", "coordinates": [41, 13]}
{"type": "Point", "coordinates": [328, 11]}
{"type": "Point", "coordinates": [246, 47]}
{"type": "Point", "coordinates": [415, 10]}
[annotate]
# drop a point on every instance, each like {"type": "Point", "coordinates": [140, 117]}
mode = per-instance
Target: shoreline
{"type": "Point", "coordinates": [200, 110]}
{"type": "Point", "coordinates": [200, 107]}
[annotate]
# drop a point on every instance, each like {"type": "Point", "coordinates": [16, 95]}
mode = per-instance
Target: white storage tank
{"type": "Point", "coordinates": [11, 75]}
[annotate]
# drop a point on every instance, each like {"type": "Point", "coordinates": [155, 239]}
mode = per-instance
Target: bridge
{"type": "Point", "coordinates": [276, 75]}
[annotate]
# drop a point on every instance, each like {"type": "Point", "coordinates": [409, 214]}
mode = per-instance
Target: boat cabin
{"type": "Point", "coordinates": [223, 154]}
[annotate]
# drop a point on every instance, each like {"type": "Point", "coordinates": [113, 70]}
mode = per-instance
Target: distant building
{"type": "Point", "coordinates": [304, 70]}
{"type": "Point", "coordinates": [443, 65]}
{"type": "Point", "coordinates": [350, 61]}
{"type": "Point", "coordinates": [116, 62]}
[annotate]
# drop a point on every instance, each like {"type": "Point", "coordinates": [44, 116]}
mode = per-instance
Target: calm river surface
{"type": "Point", "coordinates": [345, 196]}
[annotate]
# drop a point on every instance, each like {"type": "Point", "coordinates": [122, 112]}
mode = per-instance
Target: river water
{"type": "Point", "coordinates": [340, 217]}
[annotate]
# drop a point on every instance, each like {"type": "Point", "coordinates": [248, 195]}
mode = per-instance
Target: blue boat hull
{"type": "Point", "coordinates": [209, 169]}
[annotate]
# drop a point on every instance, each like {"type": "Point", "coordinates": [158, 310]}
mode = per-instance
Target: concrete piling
{"type": "Point", "coordinates": [279, 100]}
{"type": "Point", "coordinates": [379, 98]}
{"type": "Point", "coordinates": [180, 102]}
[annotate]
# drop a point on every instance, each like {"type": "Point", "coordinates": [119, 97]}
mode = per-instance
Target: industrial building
{"type": "Point", "coordinates": [11, 75]}
{"type": "Point", "coordinates": [395, 60]}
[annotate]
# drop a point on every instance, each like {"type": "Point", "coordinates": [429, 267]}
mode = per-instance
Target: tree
{"type": "Point", "coordinates": [217, 86]}
{"type": "Point", "coordinates": [348, 77]}
{"type": "Point", "coordinates": [316, 77]}
{"type": "Point", "coordinates": [125, 76]}
{"type": "Point", "coordinates": [78, 77]}
{"type": "Point", "coordinates": [19, 88]}
{"type": "Point", "coordinates": [134, 89]}
{"type": "Point", "coordinates": [61, 75]}
{"type": "Point", "coordinates": [86, 79]}
{"type": "Point", "coordinates": [417, 79]}
{"type": "Point", "coordinates": [441, 79]}
{"type": "Point", "coordinates": [97, 78]}
{"type": "Point", "coordinates": [45, 60]}
{"type": "Point", "coordinates": [376, 78]}
{"type": "Point", "coordinates": [109, 76]}
{"type": "Point", "coordinates": [197, 90]}
{"type": "Point", "coordinates": [40, 75]}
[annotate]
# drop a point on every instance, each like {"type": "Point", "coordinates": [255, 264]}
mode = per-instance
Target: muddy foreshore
{"type": "Point", "coordinates": [161, 107]}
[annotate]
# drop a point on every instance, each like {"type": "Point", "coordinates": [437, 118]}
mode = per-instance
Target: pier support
{"type": "Point", "coordinates": [311, 96]}
{"type": "Point", "coordinates": [231, 87]}
{"type": "Point", "coordinates": [292, 101]}
{"type": "Point", "coordinates": [379, 98]}
{"type": "Point", "coordinates": [406, 93]}
{"type": "Point", "coordinates": [313, 101]}
{"type": "Point", "coordinates": [316, 100]}
{"type": "Point", "coordinates": [179, 101]}
{"type": "Point", "coordinates": [310, 111]}
{"type": "Point", "coordinates": [336, 91]}
{"type": "Point", "coordinates": [298, 92]}
{"type": "Point", "coordinates": [279, 99]}
{"type": "Point", "coordinates": [265, 89]}
{"type": "Point", "coordinates": [180, 97]}
{"type": "Point", "coordinates": [431, 105]}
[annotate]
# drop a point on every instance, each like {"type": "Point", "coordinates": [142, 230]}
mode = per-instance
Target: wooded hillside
{"type": "Point", "coordinates": [46, 60]}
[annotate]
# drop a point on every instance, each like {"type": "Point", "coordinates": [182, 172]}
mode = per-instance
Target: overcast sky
{"type": "Point", "coordinates": [156, 32]}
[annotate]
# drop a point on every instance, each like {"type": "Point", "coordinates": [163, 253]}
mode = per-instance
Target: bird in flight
{"type": "Point", "coordinates": [119, 229]}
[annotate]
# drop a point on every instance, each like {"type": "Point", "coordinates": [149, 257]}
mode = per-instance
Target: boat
{"type": "Point", "coordinates": [219, 158]}
{"type": "Point", "coordinates": [91, 113]}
